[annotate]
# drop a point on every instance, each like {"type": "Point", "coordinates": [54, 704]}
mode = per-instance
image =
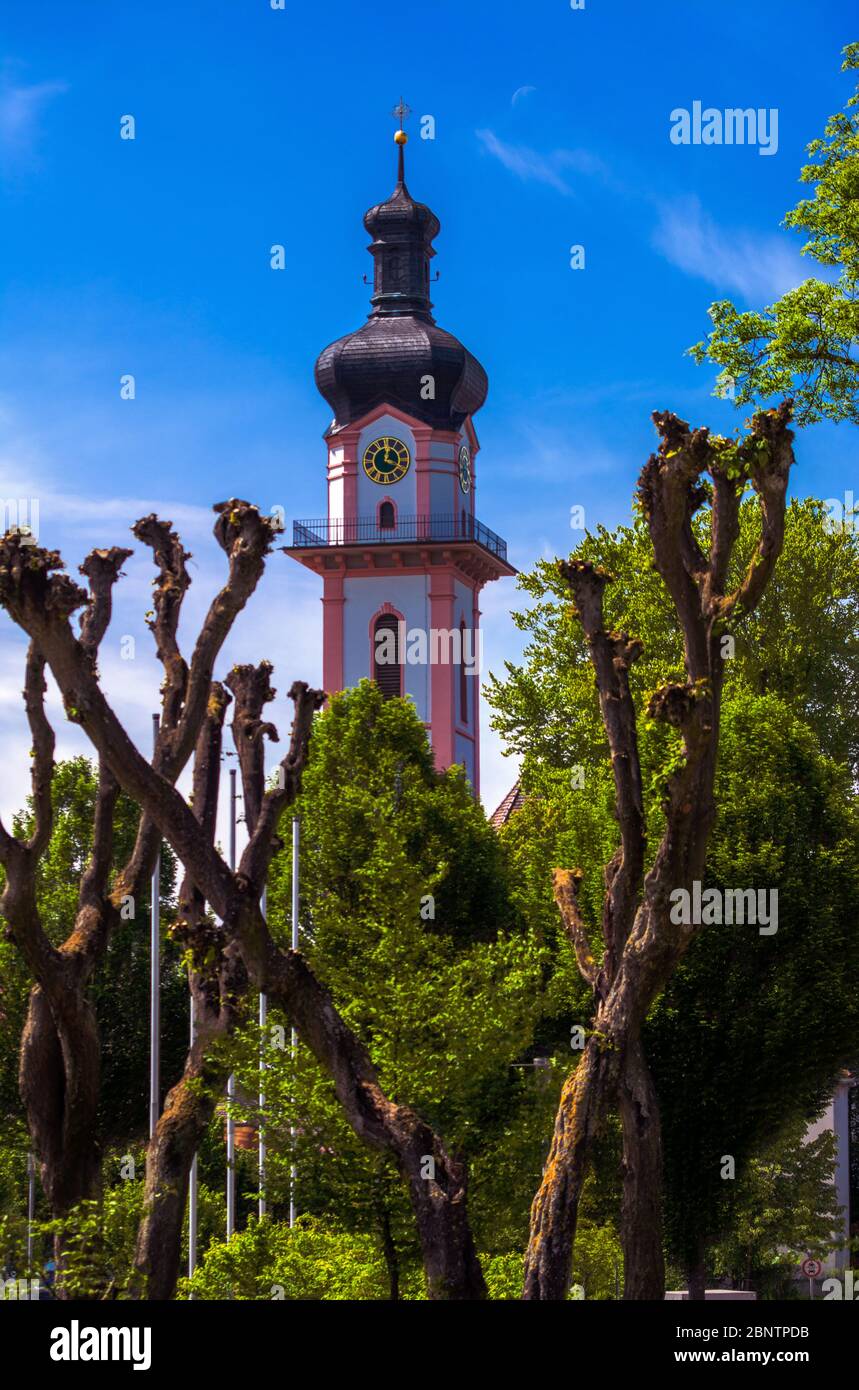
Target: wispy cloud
{"type": "Point", "coordinates": [531, 166]}
{"type": "Point", "coordinates": [21, 109]}
{"type": "Point", "coordinates": [754, 266]}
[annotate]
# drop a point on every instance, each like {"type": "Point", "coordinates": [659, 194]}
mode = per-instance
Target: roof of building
{"type": "Point", "coordinates": [513, 801]}
{"type": "Point", "coordinates": [388, 360]}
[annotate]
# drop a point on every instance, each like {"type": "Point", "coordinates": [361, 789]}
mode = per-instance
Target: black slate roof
{"type": "Point", "coordinates": [389, 359]}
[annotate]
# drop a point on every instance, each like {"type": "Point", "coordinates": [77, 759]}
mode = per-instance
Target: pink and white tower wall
{"type": "Point", "coordinates": [401, 551]}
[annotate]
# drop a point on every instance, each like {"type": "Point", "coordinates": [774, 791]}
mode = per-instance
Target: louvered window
{"type": "Point", "coordinates": [387, 519]}
{"type": "Point", "coordinates": [387, 673]}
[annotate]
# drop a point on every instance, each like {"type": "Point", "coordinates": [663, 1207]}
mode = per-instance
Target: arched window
{"type": "Point", "coordinates": [463, 678]}
{"type": "Point", "coordinates": [387, 657]}
{"type": "Point", "coordinates": [387, 516]}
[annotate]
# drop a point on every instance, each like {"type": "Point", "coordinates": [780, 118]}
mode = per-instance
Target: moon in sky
{"type": "Point", "coordinates": [521, 92]}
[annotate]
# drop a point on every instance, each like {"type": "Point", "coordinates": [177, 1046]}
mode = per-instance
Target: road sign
{"type": "Point", "coordinates": [812, 1268]}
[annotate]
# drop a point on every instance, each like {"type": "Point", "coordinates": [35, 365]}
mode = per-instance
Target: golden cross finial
{"type": "Point", "coordinates": [401, 111]}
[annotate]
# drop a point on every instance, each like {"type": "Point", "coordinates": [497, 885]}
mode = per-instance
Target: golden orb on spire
{"type": "Point", "coordinates": [400, 137]}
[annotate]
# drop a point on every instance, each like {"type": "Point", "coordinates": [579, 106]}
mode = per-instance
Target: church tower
{"type": "Point", "coordinates": [401, 554]}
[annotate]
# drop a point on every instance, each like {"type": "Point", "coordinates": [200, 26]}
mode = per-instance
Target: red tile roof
{"type": "Point", "coordinates": [512, 802]}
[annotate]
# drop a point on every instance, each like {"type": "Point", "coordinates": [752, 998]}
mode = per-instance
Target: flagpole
{"type": "Point", "coordinates": [231, 1084]}
{"type": "Point", "coordinates": [31, 1209]}
{"type": "Point", "coordinates": [155, 980]}
{"type": "Point", "coordinates": [296, 847]}
{"type": "Point", "coordinates": [263, 1018]}
{"type": "Point", "coordinates": [192, 1180]}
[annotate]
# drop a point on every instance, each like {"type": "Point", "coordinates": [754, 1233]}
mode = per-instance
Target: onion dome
{"type": "Point", "coordinates": [389, 359]}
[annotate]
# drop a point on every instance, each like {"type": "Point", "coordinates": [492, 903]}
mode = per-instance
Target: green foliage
{"type": "Point", "coordinates": [785, 1208]}
{"type": "Point", "coordinates": [751, 1030]}
{"type": "Point", "coordinates": [597, 1267]}
{"type": "Point", "coordinates": [408, 920]}
{"type": "Point", "coordinates": [13, 1199]}
{"type": "Point", "coordinates": [804, 345]}
{"type": "Point", "coordinates": [269, 1261]}
{"type": "Point", "coordinates": [801, 643]}
{"type": "Point", "coordinates": [99, 1239]}
{"type": "Point", "coordinates": [121, 982]}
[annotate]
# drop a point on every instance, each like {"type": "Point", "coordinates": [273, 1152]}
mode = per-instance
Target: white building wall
{"type": "Point", "coordinates": [836, 1117]}
{"type": "Point", "coordinates": [335, 487]}
{"type": "Point", "coordinates": [445, 494]}
{"type": "Point", "coordinates": [409, 594]}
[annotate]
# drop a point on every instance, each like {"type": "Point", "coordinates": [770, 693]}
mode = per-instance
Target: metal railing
{"type": "Point", "coordinates": [363, 529]}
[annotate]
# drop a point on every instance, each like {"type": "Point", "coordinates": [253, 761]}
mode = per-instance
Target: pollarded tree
{"type": "Point", "coordinates": [60, 1047]}
{"type": "Point", "coordinates": [221, 925]}
{"type": "Point", "coordinates": [120, 984]}
{"type": "Point", "coordinates": [642, 945]}
{"type": "Point", "coordinates": [801, 643]}
{"type": "Point", "coordinates": [407, 920]}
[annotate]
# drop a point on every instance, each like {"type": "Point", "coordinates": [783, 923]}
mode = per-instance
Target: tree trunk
{"type": "Point", "coordinates": [696, 1276]}
{"type": "Point", "coordinates": [641, 1215]}
{"type": "Point", "coordinates": [59, 1083]}
{"type": "Point", "coordinates": [554, 1213]}
{"type": "Point", "coordinates": [184, 1120]}
{"type": "Point", "coordinates": [392, 1259]}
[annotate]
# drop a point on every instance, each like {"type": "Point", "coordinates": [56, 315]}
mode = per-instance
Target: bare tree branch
{"type": "Point", "coordinates": [41, 601]}
{"type": "Point", "coordinates": [263, 842]}
{"type": "Point", "coordinates": [252, 690]}
{"type": "Point", "coordinates": [565, 883]}
{"type": "Point", "coordinates": [667, 490]}
{"type": "Point", "coordinates": [102, 569]}
{"type": "Point", "coordinates": [612, 654]}
{"type": "Point", "coordinates": [613, 1068]}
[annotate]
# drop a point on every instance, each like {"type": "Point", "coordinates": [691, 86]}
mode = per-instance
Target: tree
{"type": "Point", "coordinates": [800, 643]}
{"type": "Point", "coordinates": [407, 920]}
{"type": "Point", "coordinates": [805, 343]}
{"type": "Point", "coordinates": [231, 952]}
{"type": "Point", "coordinates": [785, 1208]}
{"type": "Point", "coordinates": [120, 983]}
{"type": "Point", "coordinates": [643, 941]}
{"type": "Point", "coordinates": [752, 1031]}
{"type": "Point", "coordinates": [727, 1038]}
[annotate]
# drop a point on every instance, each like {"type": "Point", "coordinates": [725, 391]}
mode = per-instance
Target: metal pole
{"type": "Point", "coordinates": [193, 1185]}
{"type": "Point", "coordinates": [296, 847]}
{"type": "Point", "coordinates": [31, 1209]}
{"type": "Point", "coordinates": [263, 1018]}
{"type": "Point", "coordinates": [231, 1084]}
{"type": "Point", "coordinates": [155, 981]}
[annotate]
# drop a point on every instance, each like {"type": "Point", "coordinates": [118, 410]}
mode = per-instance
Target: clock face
{"type": "Point", "coordinates": [386, 460]}
{"type": "Point", "coordinates": [464, 468]}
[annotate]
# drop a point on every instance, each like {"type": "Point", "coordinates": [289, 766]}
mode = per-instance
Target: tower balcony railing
{"type": "Point", "coordinates": [368, 530]}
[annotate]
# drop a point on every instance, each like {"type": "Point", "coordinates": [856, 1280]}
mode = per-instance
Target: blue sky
{"type": "Point", "coordinates": [257, 126]}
